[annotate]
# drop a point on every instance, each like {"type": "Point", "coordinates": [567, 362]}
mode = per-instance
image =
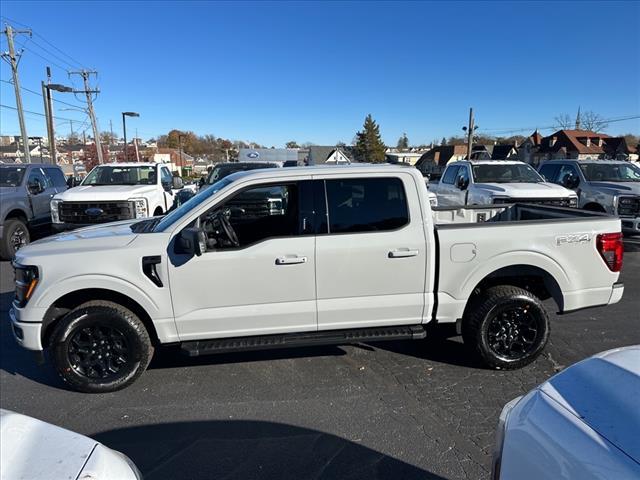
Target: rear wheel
{"type": "Point", "coordinates": [15, 236]}
{"type": "Point", "coordinates": [508, 327]}
{"type": "Point", "coordinates": [100, 347]}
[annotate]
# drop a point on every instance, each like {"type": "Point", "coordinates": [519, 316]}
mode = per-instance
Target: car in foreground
{"type": "Point", "coordinates": [35, 450]}
{"type": "Point", "coordinates": [25, 194]}
{"type": "Point", "coordinates": [491, 182]}
{"type": "Point", "coordinates": [582, 424]}
{"type": "Point", "coordinates": [285, 257]}
{"type": "Point", "coordinates": [611, 186]}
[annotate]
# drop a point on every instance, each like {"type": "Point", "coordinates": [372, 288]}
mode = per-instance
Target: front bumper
{"type": "Point", "coordinates": [630, 225]}
{"type": "Point", "coordinates": [27, 334]}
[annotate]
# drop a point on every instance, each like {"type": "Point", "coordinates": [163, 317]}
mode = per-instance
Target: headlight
{"type": "Point", "coordinates": [26, 282]}
{"type": "Point", "coordinates": [573, 202]}
{"type": "Point", "coordinates": [55, 212]}
{"type": "Point", "coordinates": [140, 207]}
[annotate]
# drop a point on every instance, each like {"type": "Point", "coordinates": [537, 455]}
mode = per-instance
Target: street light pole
{"type": "Point", "coordinates": [124, 129]}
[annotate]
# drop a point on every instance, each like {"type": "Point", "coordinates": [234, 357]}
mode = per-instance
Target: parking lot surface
{"type": "Point", "coordinates": [422, 409]}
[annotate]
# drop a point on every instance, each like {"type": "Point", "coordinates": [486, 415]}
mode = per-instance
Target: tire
{"type": "Point", "coordinates": [85, 343]}
{"type": "Point", "coordinates": [9, 243]}
{"type": "Point", "coordinates": [507, 327]}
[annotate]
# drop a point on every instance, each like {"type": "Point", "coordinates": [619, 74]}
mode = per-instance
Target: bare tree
{"type": "Point", "coordinates": [593, 122]}
{"type": "Point", "coordinates": [563, 122]}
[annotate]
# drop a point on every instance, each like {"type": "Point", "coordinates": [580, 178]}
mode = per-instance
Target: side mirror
{"type": "Point", "coordinates": [177, 183]}
{"type": "Point", "coordinates": [36, 186]}
{"type": "Point", "coordinates": [570, 181]}
{"type": "Point", "coordinates": [462, 183]}
{"type": "Point", "coordinates": [192, 241]}
{"type": "Point", "coordinates": [167, 186]}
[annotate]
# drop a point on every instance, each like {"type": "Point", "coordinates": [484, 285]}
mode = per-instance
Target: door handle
{"type": "Point", "coordinates": [403, 253]}
{"type": "Point", "coordinates": [290, 260]}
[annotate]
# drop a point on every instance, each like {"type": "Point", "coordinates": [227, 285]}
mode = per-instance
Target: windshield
{"type": "Point", "coordinates": [11, 176]}
{"type": "Point", "coordinates": [117, 175]}
{"type": "Point", "coordinates": [192, 203]}
{"type": "Point", "coordinates": [611, 172]}
{"type": "Point", "coordinates": [221, 171]}
{"type": "Point", "coordinates": [505, 173]}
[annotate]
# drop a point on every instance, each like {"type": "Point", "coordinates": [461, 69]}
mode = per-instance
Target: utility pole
{"type": "Point", "coordinates": [48, 111]}
{"type": "Point", "coordinates": [13, 61]}
{"type": "Point", "coordinates": [180, 144]}
{"type": "Point", "coordinates": [94, 123]}
{"type": "Point", "coordinates": [110, 129]}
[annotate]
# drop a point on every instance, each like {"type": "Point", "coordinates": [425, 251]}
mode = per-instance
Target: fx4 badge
{"type": "Point", "coordinates": [573, 238]}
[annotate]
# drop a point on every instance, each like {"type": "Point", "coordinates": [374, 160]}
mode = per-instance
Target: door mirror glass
{"type": "Point", "coordinates": [177, 183]}
{"type": "Point", "coordinates": [462, 183]}
{"type": "Point", "coordinates": [36, 186]}
{"type": "Point", "coordinates": [192, 241]}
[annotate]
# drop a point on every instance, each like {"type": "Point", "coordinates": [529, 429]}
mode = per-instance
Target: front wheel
{"type": "Point", "coordinates": [15, 236]}
{"type": "Point", "coordinates": [508, 327]}
{"type": "Point", "coordinates": [100, 347]}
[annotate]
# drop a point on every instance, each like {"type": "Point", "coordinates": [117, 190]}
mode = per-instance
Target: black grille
{"type": "Point", "coordinates": [629, 206]}
{"type": "Point", "coordinates": [76, 212]}
{"type": "Point", "coordinates": [555, 202]}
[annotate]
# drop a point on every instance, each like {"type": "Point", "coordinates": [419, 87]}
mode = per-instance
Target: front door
{"type": "Point", "coordinates": [264, 283]}
{"type": "Point", "coordinates": [40, 197]}
{"type": "Point", "coordinates": [447, 190]}
{"type": "Point", "coordinates": [371, 264]}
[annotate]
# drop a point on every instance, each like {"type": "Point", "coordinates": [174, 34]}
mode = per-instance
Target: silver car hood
{"type": "Point", "coordinates": [603, 391]}
{"type": "Point", "coordinates": [623, 188]}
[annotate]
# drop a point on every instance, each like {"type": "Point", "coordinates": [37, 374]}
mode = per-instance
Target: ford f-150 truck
{"type": "Point", "coordinates": [611, 186]}
{"type": "Point", "coordinates": [116, 191]}
{"type": "Point", "coordinates": [351, 254]}
{"type": "Point", "coordinates": [487, 182]}
{"type": "Point", "coordinates": [25, 193]}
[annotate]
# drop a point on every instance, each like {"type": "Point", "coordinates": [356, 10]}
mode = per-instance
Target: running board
{"type": "Point", "coordinates": [326, 337]}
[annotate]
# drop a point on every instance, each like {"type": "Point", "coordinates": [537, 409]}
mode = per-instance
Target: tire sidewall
{"type": "Point", "coordinates": [10, 227]}
{"type": "Point", "coordinates": [91, 316]}
{"type": "Point", "coordinates": [542, 320]}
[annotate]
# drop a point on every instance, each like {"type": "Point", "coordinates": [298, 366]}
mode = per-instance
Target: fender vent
{"type": "Point", "coordinates": [149, 269]}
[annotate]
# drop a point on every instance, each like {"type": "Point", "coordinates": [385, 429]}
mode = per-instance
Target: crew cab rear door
{"type": "Point", "coordinates": [370, 265]}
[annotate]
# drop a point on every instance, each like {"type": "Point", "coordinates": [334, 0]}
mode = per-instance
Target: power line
{"type": "Point", "coordinates": [48, 60]}
{"type": "Point", "coordinates": [40, 114]}
{"type": "Point", "coordinates": [75, 63]}
{"type": "Point", "coordinates": [40, 95]}
{"type": "Point", "coordinates": [553, 127]}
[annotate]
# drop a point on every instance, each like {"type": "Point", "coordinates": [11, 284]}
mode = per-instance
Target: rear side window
{"type": "Point", "coordinates": [450, 175]}
{"type": "Point", "coordinates": [56, 177]}
{"type": "Point", "coordinates": [366, 205]}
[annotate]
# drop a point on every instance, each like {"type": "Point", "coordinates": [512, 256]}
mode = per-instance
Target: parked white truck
{"type": "Point", "coordinates": [116, 191]}
{"type": "Point", "coordinates": [487, 182]}
{"type": "Point", "coordinates": [352, 254]}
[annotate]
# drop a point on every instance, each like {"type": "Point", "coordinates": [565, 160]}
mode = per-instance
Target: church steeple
{"type": "Point", "coordinates": [578, 119]}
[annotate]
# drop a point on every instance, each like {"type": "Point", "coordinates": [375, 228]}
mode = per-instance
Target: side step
{"type": "Point", "coordinates": [326, 337]}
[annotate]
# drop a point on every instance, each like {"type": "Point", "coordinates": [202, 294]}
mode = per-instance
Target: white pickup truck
{"type": "Point", "coordinates": [350, 254]}
{"type": "Point", "coordinates": [116, 191]}
{"type": "Point", "coordinates": [488, 182]}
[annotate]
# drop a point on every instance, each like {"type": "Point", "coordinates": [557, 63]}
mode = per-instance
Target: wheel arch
{"type": "Point", "coordinates": [63, 305]}
{"type": "Point", "coordinates": [594, 207]}
{"type": "Point", "coordinates": [18, 213]}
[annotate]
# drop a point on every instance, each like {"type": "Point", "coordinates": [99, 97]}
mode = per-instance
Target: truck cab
{"type": "Point", "coordinates": [116, 191]}
{"type": "Point", "coordinates": [487, 182]}
{"type": "Point", "coordinates": [609, 186]}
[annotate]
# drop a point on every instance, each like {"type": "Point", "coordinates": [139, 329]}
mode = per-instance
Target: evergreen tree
{"type": "Point", "coordinates": [369, 146]}
{"type": "Point", "coordinates": [443, 141]}
{"type": "Point", "coordinates": [403, 142]}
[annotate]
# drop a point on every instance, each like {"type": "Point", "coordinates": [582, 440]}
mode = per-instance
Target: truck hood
{"type": "Point", "coordinates": [621, 188]}
{"type": "Point", "coordinates": [85, 193]}
{"type": "Point", "coordinates": [527, 190]}
{"type": "Point", "coordinates": [107, 236]}
{"type": "Point", "coordinates": [603, 392]}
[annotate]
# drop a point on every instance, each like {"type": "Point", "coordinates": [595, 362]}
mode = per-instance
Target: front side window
{"type": "Point", "coordinates": [366, 205]}
{"type": "Point", "coordinates": [449, 176]}
{"type": "Point", "coordinates": [37, 175]}
{"type": "Point", "coordinates": [117, 175]}
{"type": "Point", "coordinates": [550, 171]}
{"type": "Point", "coordinates": [166, 175]}
{"type": "Point", "coordinates": [505, 173]}
{"type": "Point", "coordinates": [566, 170]}
{"type": "Point", "coordinates": [254, 215]}
{"type": "Point", "coordinates": [57, 177]}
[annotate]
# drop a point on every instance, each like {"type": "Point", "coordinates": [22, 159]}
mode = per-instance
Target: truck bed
{"type": "Point", "coordinates": [523, 239]}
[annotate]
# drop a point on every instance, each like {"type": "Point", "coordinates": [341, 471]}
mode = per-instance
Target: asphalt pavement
{"type": "Point", "coordinates": [401, 410]}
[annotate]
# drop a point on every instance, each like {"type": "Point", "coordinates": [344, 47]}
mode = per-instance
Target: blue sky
{"type": "Point", "coordinates": [273, 72]}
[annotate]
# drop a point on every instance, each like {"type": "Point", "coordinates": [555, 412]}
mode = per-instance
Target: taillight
{"type": "Point", "coordinates": [611, 249]}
